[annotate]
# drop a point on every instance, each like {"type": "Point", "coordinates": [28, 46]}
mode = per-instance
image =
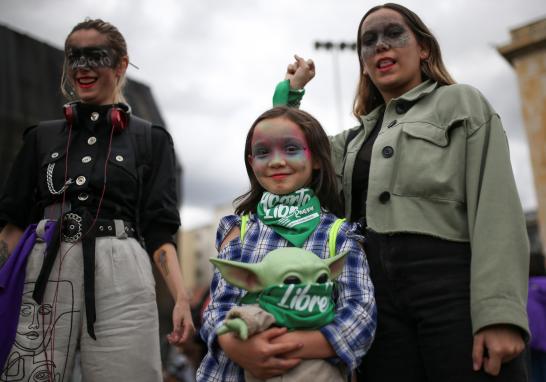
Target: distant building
{"type": "Point", "coordinates": [527, 54]}
{"type": "Point", "coordinates": [198, 246]}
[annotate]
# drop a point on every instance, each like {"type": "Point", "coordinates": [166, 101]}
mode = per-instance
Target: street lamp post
{"type": "Point", "coordinates": [335, 48]}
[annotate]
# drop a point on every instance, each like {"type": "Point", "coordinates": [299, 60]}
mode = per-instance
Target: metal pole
{"type": "Point", "coordinates": [337, 88]}
{"type": "Point", "coordinates": [336, 48]}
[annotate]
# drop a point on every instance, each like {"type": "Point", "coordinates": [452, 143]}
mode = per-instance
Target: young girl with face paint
{"type": "Point", "coordinates": [427, 174]}
{"type": "Point", "coordinates": [92, 185]}
{"type": "Point", "coordinates": [291, 202]}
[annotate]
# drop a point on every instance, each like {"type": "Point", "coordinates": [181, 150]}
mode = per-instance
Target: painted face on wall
{"type": "Point", "coordinates": [94, 71]}
{"type": "Point", "coordinates": [280, 156]}
{"type": "Point", "coordinates": [390, 53]}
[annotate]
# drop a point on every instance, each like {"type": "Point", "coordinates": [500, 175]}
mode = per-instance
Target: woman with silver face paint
{"type": "Point", "coordinates": [427, 175]}
{"type": "Point", "coordinates": [97, 199]}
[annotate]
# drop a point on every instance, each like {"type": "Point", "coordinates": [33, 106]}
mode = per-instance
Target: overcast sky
{"type": "Point", "coordinates": [212, 67]}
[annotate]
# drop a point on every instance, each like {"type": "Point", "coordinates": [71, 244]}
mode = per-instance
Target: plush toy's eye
{"type": "Point", "coordinates": [292, 280]}
{"type": "Point", "coordinates": [322, 278]}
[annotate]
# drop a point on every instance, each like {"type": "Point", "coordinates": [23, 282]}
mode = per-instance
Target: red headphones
{"type": "Point", "coordinates": [117, 117]}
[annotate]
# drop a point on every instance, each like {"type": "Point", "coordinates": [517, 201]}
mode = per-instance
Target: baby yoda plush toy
{"type": "Point", "coordinates": [290, 287]}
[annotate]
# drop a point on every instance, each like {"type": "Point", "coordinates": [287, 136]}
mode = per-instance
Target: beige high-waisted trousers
{"type": "Point", "coordinates": [126, 327]}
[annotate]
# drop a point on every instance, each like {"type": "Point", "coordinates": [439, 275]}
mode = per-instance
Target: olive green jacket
{"type": "Point", "coordinates": [440, 166]}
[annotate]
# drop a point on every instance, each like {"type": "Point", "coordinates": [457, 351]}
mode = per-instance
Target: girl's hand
{"type": "Point", "coordinates": [258, 355]}
{"type": "Point", "coordinates": [183, 328]}
{"type": "Point", "coordinates": [503, 343]}
{"type": "Point", "coordinates": [300, 72]}
{"type": "Point", "coordinates": [314, 344]}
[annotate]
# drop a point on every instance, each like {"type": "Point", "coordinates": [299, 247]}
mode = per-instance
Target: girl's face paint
{"type": "Point", "coordinates": [93, 80]}
{"type": "Point", "coordinates": [390, 53]}
{"type": "Point", "coordinates": [281, 159]}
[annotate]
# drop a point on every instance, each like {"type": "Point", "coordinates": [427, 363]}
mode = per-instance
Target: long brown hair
{"type": "Point", "coordinates": [368, 96]}
{"type": "Point", "coordinates": [323, 180]}
{"type": "Point", "coordinates": [115, 41]}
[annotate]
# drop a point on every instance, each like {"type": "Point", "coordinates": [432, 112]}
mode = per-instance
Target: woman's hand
{"type": "Point", "coordinates": [300, 72]}
{"type": "Point", "coordinates": [9, 237]}
{"type": "Point", "coordinates": [258, 355]}
{"type": "Point", "coordinates": [166, 260]}
{"type": "Point", "coordinates": [503, 343]}
{"type": "Point", "coordinates": [183, 328]}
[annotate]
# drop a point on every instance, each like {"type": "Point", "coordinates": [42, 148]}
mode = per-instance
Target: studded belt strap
{"type": "Point", "coordinates": [75, 228]}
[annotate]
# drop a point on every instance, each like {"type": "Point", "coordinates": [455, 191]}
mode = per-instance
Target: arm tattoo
{"type": "Point", "coordinates": [163, 262]}
{"type": "Point", "coordinates": [4, 253]}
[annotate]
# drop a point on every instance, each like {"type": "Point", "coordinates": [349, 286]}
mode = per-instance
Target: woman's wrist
{"type": "Point", "coordinates": [4, 252]}
{"type": "Point", "coordinates": [296, 86]}
{"type": "Point", "coordinates": [182, 296]}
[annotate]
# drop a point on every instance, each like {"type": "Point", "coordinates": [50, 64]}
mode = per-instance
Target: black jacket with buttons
{"type": "Point", "coordinates": [26, 191]}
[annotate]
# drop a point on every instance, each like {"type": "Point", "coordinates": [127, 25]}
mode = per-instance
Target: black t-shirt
{"type": "Point", "coordinates": [361, 174]}
{"type": "Point", "coordinates": [36, 178]}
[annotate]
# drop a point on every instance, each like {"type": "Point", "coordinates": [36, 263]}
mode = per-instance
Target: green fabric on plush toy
{"type": "Point", "coordinates": [294, 285]}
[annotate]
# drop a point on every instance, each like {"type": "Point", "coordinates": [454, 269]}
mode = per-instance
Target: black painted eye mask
{"type": "Point", "coordinates": [91, 57]}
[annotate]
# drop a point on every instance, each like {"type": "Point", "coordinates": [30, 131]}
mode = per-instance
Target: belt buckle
{"type": "Point", "coordinates": [72, 227]}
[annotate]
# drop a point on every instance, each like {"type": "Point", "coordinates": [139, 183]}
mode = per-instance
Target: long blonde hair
{"type": "Point", "coordinates": [115, 41]}
{"type": "Point", "coordinates": [367, 95]}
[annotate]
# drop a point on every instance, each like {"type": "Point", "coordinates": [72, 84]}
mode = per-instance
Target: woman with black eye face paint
{"type": "Point", "coordinates": [427, 174]}
{"type": "Point", "coordinates": [96, 193]}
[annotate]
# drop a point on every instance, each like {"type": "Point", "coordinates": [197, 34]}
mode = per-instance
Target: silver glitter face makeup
{"type": "Point", "coordinates": [90, 57]}
{"type": "Point", "coordinates": [389, 33]}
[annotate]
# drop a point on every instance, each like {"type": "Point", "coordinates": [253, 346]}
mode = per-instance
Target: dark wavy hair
{"type": "Point", "coordinates": [367, 95]}
{"type": "Point", "coordinates": [323, 180]}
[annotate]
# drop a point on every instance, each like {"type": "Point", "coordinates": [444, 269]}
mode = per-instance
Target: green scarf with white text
{"type": "Point", "coordinates": [294, 216]}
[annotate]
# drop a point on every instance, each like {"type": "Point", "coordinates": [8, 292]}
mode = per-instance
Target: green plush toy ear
{"type": "Point", "coordinates": [242, 275]}
{"type": "Point", "coordinates": [336, 264]}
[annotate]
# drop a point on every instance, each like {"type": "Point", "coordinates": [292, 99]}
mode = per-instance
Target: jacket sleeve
{"type": "Point", "coordinates": [223, 296]}
{"type": "Point", "coordinates": [160, 216]}
{"type": "Point", "coordinates": [498, 237]}
{"type": "Point", "coordinates": [352, 331]}
{"type": "Point", "coordinates": [285, 96]}
{"type": "Point", "coordinates": [18, 196]}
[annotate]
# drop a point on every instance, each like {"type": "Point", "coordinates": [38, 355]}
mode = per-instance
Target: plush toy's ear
{"type": "Point", "coordinates": [336, 264]}
{"type": "Point", "coordinates": [242, 275]}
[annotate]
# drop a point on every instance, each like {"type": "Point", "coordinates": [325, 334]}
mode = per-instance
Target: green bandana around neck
{"type": "Point", "coordinates": [297, 306]}
{"type": "Point", "coordinates": [293, 216]}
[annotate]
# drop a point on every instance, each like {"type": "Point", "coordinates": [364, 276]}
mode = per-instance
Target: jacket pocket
{"type": "Point", "coordinates": [430, 162]}
{"type": "Point", "coordinates": [122, 162]}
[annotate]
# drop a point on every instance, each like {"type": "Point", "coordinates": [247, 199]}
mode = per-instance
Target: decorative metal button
{"type": "Point", "coordinates": [401, 107]}
{"type": "Point", "coordinates": [91, 141]}
{"type": "Point", "coordinates": [94, 116]}
{"type": "Point", "coordinates": [387, 151]}
{"type": "Point", "coordinates": [119, 158]}
{"type": "Point", "coordinates": [80, 180]}
{"type": "Point", "coordinates": [83, 196]}
{"type": "Point", "coordinates": [54, 155]}
{"type": "Point", "coordinates": [86, 159]}
{"type": "Point", "coordinates": [384, 197]}
{"type": "Point", "coordinates": [391, 124]}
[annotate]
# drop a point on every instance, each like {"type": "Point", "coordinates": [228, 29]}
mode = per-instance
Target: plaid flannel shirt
{"type": "Point", "coordinates": [350, 334]}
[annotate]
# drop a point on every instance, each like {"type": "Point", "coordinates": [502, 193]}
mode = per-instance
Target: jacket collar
{"type": "Point", "coordinates": [410, 97]}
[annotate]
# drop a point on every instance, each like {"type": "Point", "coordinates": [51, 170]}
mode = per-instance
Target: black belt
{"type": "Point", "coordinates": [76, 227]}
